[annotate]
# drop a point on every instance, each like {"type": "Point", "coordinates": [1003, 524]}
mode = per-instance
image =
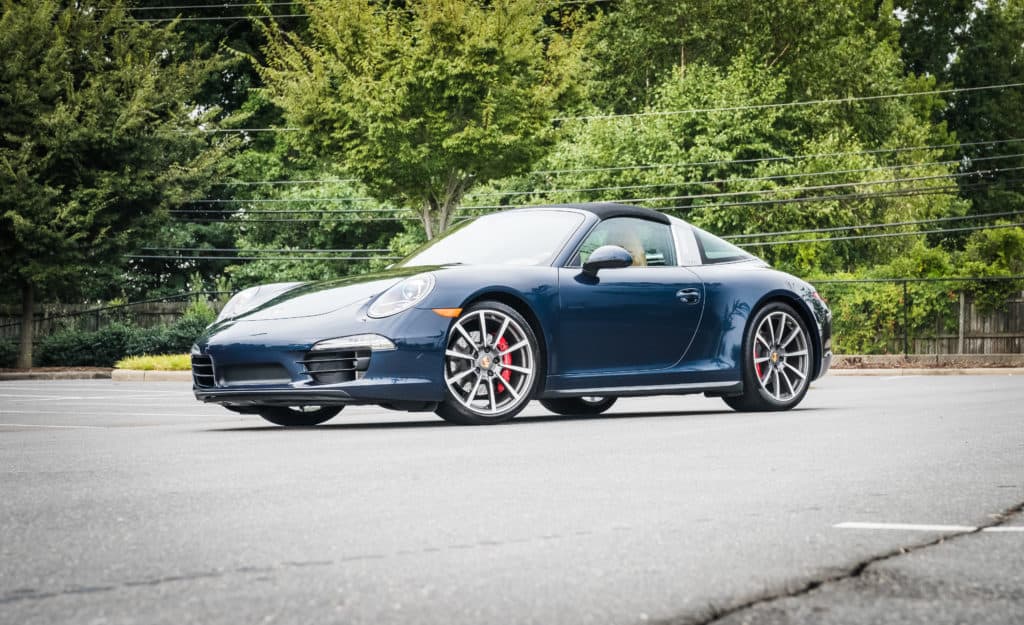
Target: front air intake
{"type": "Point", "coordinates": [202, 371]}
{"type": "Point", "coordinates": [335, 367]}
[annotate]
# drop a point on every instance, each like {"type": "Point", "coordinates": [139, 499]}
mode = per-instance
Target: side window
{"type": "Point", "coordinates": [648, 242]}
{"type": "Point", "coordinates": [715, 250]}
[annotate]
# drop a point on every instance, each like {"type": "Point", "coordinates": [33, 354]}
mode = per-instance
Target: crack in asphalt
{"type": "Point", "coordinates": [29, 594]}
{"type": "Point", "coordinates": [718, 613]}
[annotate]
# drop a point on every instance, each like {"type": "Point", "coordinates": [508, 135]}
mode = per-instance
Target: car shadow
{"type": "Point", "coordinates": [517, 422]}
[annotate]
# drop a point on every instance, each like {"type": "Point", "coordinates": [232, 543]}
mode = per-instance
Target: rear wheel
{"type": "Point", "coordinates": [298, 416]}
{"type": "Point", "coordinates": [579, 405]}
{"type": "Point", "coordinates": [490, 365]}
{"type": "Point", "coordinates": [776, 361]}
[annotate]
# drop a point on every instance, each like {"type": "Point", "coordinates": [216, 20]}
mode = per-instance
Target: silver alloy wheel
{"type": "Point", "coordinates": [782, 360]}
{"type": "Point", "coordinates": [489, 366]}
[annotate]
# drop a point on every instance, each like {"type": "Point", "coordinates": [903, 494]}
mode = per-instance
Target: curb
{"type": "Point", "coordinates": [132, 375]}
{"type": "Point", "coordinates": [54, 375]}
{"type": "Point", "coordinates": [930, 371]}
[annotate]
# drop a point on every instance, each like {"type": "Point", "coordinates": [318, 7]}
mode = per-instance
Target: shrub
{"type": "Point", "coordinates": [72, 347]}
{"type": "Point", "coordinates": [170, 362]}
{"type": "Point", "coordinates": [8, 354]}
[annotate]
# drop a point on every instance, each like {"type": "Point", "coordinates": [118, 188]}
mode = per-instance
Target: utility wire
{"type": "Point", "coordinates": [718, 181]}
{"type": "Point", "coordinates": [688, 164]}
{"type": "Point", "coordinates": [777, 105]}
{"type": "Point", "coordinates": [271, 258]}
{"type": "Point", "coordinates": [882, 235]}
{"type": "Point", "coordinates": [772, 190]}
{"type": "Point", "coordinates": [778, 190]}
{"type": "Point", "coordinates": [254, 250]}
{"type": "Point", "coordinates": [891, 224]}
{"type": "Point", "coordinates": [222, 5]}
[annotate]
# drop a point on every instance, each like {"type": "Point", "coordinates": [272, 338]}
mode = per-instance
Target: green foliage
{"type": "Point", "coordinates": [86, 349]}
{"type": "Point", "coordinates": [168, 362]}
{"type": "Point", "coordinates": [74, 347]}
{"type": "Point", "coordinates": [994, 253]}
{"type": "Point", "coordinates": [8, 353]}
{"type": "Point", "coordinates": [423, 103]}
{"type": "Point", "coordinates": [98, 140]}
{"type": "Point", "coordinates": [868, 318]}
{"type": "Point", "coordinates": [991, 54]}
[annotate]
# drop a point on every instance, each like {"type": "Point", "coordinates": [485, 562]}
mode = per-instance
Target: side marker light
{"type": "Point", "coordinates": [451, 313]}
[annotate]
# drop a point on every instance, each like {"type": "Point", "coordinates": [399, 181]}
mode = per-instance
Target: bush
{"type": "Point", "coordinates": [71, 348]}
{"type": "Point", "coordinates": [169, 362]}
{"type": "Point", "coordinates": [8, 354]}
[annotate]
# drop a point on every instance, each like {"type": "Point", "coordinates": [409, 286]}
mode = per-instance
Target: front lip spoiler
{"type": "Point", "coordinates": [290, 397]}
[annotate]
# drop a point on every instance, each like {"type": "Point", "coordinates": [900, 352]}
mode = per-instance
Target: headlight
{"type": "Point", "coordinates": [402, 296]}
{"type": "Point", "coordinates": [250, 298]}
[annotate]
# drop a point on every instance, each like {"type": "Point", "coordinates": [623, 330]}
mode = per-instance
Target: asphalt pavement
{"type": "Point", "coordinates": [886, 499]}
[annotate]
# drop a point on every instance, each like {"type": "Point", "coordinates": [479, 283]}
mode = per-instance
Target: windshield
{"type": "Point", "coordinates": [530, 237]}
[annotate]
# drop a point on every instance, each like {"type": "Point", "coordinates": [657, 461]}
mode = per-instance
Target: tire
{"type": "Point", "coordinates": [776, 363]}
{"type": "Point", "coordinates": [579, 405]}
{"type": "Point", "coordinates": [298, 416]}
{"type": "Point", "coordinates": [491, 365]}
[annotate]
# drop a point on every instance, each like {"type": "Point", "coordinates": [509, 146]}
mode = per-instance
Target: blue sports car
{"type": "Point", "coordinates": [573, 305]}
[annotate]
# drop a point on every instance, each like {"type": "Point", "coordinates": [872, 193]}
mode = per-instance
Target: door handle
{"type": "Point", "coordinates": [689, 296]}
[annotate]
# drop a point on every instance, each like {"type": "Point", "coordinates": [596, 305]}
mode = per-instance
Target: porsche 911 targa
{"type": "Point", "coordinates": [573, 305]}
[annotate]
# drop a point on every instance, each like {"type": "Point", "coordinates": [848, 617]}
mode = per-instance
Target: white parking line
{"type": "Point", "coordinates": [56, 427]}
{"type": "Point", "coordinates": [79, 413]}
{"type": "Point", "coordinates": [913, 527]}
{"type": "Point", "coordinates": [24, 398]}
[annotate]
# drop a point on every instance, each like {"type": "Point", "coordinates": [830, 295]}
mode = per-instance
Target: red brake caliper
{"type": "Point", "coordinates": [757, 365]}
{"type": "Point", "coordinates": [505, 360]}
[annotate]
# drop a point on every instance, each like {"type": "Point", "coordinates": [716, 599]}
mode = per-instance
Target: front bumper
{"type": "Point", "coordinates": [271, 363]}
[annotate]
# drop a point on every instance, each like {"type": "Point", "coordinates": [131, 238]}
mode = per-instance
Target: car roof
{"type": "Point", "coordinates": [607, 210]}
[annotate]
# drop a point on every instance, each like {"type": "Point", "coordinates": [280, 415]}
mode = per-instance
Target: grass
{"type": "Point", "coordinates": [172, 362]}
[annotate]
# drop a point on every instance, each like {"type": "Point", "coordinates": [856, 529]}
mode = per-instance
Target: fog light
{"type": "Point", "coordinates": [374, 342]}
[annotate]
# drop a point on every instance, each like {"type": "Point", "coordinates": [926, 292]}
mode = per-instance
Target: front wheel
{"type": "Point", "coordinates": [578, 405]}
{"type": "Point", "coordinates": [491, 364]}
{"type": "Point", "coordinates": [776, 361]}
{"type": "Point", "coordinates": [298, 416]}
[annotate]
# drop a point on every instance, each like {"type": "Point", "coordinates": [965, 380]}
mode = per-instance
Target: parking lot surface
{"type": "Point", "coordinates": [883, 499]}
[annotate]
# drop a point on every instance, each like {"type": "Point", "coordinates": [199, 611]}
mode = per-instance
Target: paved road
{"type": "Point", "coordinates": [132, 503]}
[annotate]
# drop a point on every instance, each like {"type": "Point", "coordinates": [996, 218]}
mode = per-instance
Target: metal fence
{"type": "Point", "coordinates": [976, 315]}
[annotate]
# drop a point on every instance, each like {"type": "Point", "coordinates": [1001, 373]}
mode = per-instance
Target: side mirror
{"type": "Point", "coordinates": [607, 257]}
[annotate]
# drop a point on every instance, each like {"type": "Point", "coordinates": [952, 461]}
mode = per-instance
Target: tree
{"type": "Point", "coordinates": [423, 103]}
{"type": "Point", "coordinates": [987, 121]}
{"type": "Point", "coordinates": [96, 140]}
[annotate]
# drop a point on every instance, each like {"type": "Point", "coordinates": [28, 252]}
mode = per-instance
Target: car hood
{"type": "Point", "coordinates": [320, 298]}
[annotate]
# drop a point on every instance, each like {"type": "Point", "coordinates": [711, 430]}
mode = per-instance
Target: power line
{"type": "Point", "coordinates": [270, 258]}
{"type": "Point", "coordinates": [906, 192]}
{"type": "Point", "coordinates": [255, 250]}
{"type": "Point", "coordinates": [828, 101]}
{"type": "Point", "coordinates": [631, 187]}
{"type": "Point", "coordinates": [884, 235]}
{"type": "Point", "coordinates": [234, 18]}
{"type": "Point", "coordinates": [690, 164]}
{"type": "Point", "coordinates": [777, 190]}
{"type": "Point", "coordinates": [222, 5]}
{"type": "Point", "coordinates": [748, 179]}
{"type": "Point", "coordinates": [272, 182]}
{"type": "Point", "coordinates": [850, 196]}
{"type": "Point", "coordinates": [244, 18]}
{"type": "Point", "coordinates": [891, 224]}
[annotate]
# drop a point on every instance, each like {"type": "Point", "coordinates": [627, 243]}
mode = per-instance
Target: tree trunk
{"type": "Point", "coordinates": [27, 326]}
